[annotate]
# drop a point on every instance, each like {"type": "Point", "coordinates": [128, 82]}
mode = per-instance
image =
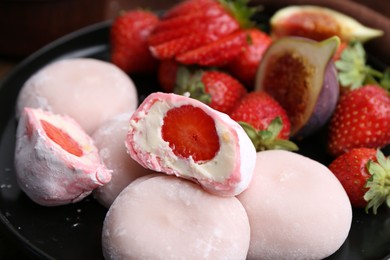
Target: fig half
{"type": "Point", "coordinates": [299, 73]}
{"type": "Point", "coordinates": [319, 23]}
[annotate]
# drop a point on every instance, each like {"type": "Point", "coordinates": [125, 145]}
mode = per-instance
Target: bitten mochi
{"type": "Point", "coordinates": [88, 90]}
{"type": "Point", "coordinates": [297, 208]}
{"type": "Point", "coordinates": [56, 162]}
{"type": "Point", "coordinates": [165, 217]}
{"type": "Point", "coordinates": [226, 173]}
{"type": "Point", "coordinates": [110, 139]}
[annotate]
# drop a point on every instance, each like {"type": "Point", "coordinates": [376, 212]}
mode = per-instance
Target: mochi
{"type": "Point", "coordinates": [297, 208]}
{"type": "Point", "coordinates": [110, 139]}
{"type": "Point", "coordinates": [165, 217]}
{"type": "Point", "coordinates": [89, 90]}
{"type": "Point", "coordinates": [182, 136]}
{"type": "Point", "coordinates": [56, 162]}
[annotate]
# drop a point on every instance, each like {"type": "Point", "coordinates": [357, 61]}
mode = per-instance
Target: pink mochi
{"type": "Point", "coordinates": [89, 90]}
{"type": "Point", "coordinates": [110, 139]}
{"type": "Point", "coordinates": [228, 173]}
{"type": "Point", "coordinates": [48, 173]}
{"type": "Point", "coordinates": [164, 217]}
{"type": "Point", "coordinates": [297, 208]}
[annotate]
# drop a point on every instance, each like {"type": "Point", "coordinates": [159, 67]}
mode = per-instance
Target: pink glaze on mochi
{"type": "Point", "coordinates": [165, 217]}
{"type": "Point", "coordinates": [297, 208]}
{"type": "Point", "coordinates": [227, 174]}
{"type": "Point", "coordinates": [89, 90]}
{"type": "Point", "coordinates": [110, 139]}
{"type": "Point", "coordinates": [45, 171]}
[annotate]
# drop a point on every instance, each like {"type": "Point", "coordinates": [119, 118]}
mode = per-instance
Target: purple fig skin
{"type": "Point", "coordinates": [325, 105]}
{"type": "Point", "coordinates": [313, 99]}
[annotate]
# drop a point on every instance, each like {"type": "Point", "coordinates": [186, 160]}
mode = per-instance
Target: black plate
{"type": "Point", "coordinates": [74, 231]}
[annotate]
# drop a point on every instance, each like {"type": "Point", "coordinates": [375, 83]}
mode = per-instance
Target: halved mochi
{"type": "Point", "coordinates": [89, 90]}
{"type": "Point", "coordinates": [182, 136]}
{"type": "Point", "coordinates": [56, 162]}
{"type": "Point", "coordinates": [164, 217]}
{"type": "Point", "coordinates": [110, 141]}
{"type": "Point", "coordinates": [297, 208]}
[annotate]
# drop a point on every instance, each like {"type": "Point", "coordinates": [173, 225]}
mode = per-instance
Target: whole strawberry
{"type": "Point", "coordinates": [244, 66]}
{"type": "Point", "coordinates": [365, 176]}
{"type": "Point", "coordinates": [265, 121]}
{"type": "Point", "coordinates": [219, 90]}
{"type": "Point", "coordinates": [361, 119]}
{"type": "Point", "coordinates": [128, 37]}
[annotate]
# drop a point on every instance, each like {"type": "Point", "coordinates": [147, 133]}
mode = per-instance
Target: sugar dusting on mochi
{"type": "Point", "coordinates": [89, 90]}
{"type": "Point", "coordinates": [56, 162]}
{"type": "Point", "coordinates": [165, 217]}
{"type": "Point", "coordinates": [297, 208]}
{"type": "Point", "coordinates": [110, 139]}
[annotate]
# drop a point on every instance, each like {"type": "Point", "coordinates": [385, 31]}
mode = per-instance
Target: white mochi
{"type": "Point", "coordinates": [166, 217]}
{"type": "Point", "coordinates": [297, 208]}
{"type": "Point", "coordinates": [110, 138]}
{"type": "Point", "coordinates": [88, 90]}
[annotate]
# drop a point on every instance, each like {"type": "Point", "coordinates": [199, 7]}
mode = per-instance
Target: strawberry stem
{"type": "Point", "coordinates": [353, 71]}
{"type": "Point", "coordinates": [267, 139]}
{"type": "Point", "coordinates": [378, 183]}
{"type": "Point", "coordinates": [241, 11]}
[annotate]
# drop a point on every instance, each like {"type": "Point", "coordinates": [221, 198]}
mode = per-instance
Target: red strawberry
{"type": "Point", "coordinates": [62, 138]}
{"type": "Point", "coordinates": [217, 89]}
{"type": "Point", "coordinates": [166, 74]}
{"type": "Point", "coordinates": [244, 66]}
{"type": "Point", "coordinates": [188, 6]}
{"type": "Point", "coordinates": [191, 132]}
{"type": "Point", "coordinates": [197, 29]}
{"type": "Point", "coordinates": [171, 48]}
{"type": "Point", "coordinates": [217, 53]}
{"type": "Point", "coordinates": [206, 26]}
{"type": "Point", "coordinates": [361, 119]}
{"type": "Point", "coordinates": [128, 36]}
{"type": "Point", "coordinates": [265, 121]}
{"type": "Point", "coordinates": [365, 176]}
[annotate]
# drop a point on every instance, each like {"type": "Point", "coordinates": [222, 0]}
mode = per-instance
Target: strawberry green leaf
{"type": "Point", "coordinates": [187, 82]}
{"type": "Point", "coordinates": [385, 82]}
{"type": "Point", "coordinates": [268, 139]}
{"type": "Point", "coordinates": [241, 11]}
{"type": "Point", "coordinates": [379, 183]}
{"type": "Point", "coordinates": [353, 71]}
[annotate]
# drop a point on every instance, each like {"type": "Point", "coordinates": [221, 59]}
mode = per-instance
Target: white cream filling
{"type": "Point", "coordinates": [149, 140]}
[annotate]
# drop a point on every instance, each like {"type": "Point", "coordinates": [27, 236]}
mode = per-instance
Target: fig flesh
{"type": "Point", "coordinates": [299, 73]}
{"type": "Point", "coordinates": [319, 23]}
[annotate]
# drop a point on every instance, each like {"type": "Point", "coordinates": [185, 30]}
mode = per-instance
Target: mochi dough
{"type": "Point", "coordinates": [110, 138]}
{"type": "Point", "coordinates": [88, 90]}
{"type": "Point", "coordinates": [165, 217]}
{"type": "Point", "coordinates": [297, 208]}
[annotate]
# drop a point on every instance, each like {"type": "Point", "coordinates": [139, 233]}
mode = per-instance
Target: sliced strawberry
{"type": "Point", "coordinates": [217, 53]}
{"type": "Point", "coordinates": [191, 132]}
{"type": "Point", "coordinates": [62, 138]}
{"type": "Point", "coordinates": [170, 49]}
{"type": "Point", "coordinates": [189, 19]}
{"type": "Point", "coordinates": [215, 27]}
{"type": "Point", "coordinates": [244, 66]}
{"type": "Point", "coordinates": [188, 7]}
